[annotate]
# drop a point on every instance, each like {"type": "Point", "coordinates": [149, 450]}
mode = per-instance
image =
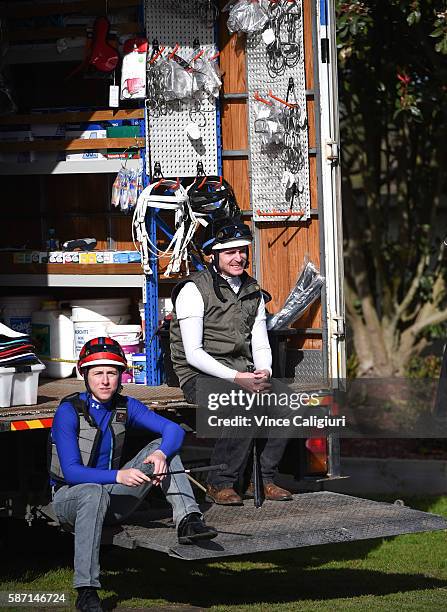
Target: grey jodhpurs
{"type": "Point", "coordinates": [84, 508]}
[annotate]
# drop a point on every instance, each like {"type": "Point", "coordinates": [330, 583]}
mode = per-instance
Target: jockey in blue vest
{"type": "Point", "coordinates": [90, 486]}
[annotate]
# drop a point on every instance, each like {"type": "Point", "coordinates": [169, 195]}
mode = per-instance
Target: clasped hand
{"type": "Point", "coordinates": [254, 381]}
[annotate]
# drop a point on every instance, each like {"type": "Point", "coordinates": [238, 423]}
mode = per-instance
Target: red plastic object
{"type": "Point", "coordinates": [103, 56]}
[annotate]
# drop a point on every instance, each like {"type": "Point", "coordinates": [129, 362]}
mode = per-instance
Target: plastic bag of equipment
{"type": "Point", "coordinates": [245, 16]}
{"type": "Point", "coordinates": [305, 292]}
{"type": "Point", "coordinates": [269, 123]}
{"type": "Point", "coordinates": [207, 76]}
{"type": "Point", "coordinates": [126, 188]}
{"type": "Point", "coordinates": [178, 83]}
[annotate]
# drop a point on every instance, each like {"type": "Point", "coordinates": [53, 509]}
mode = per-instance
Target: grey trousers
{"type": "Point", "coordinates": [86, 507]}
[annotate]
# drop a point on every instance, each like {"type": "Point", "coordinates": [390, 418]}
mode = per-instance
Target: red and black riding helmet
{"type": "Point", "coordinates": [101, 351]}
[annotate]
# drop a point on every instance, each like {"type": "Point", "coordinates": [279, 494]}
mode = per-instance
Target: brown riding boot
{"type": "Point", "coordinates": [271, 492]}
{"type": "Point", "coordinates": [224, 497]}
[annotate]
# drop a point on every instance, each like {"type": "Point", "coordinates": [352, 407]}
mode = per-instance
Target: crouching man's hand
{"type": "Point", "coordinates": [158, 458]}
{"type": "Point", "coordinates": [131, 477]}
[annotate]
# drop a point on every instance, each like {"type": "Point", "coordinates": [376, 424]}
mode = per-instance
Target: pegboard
{"type": "Point", "coordinates": [268, 162]}
{"type": "Point", "coordinates": [168, 142]}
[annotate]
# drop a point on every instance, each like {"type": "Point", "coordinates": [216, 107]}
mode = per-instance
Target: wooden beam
{"type": "Point", "coordinates": [89, 7]}
{"type": "Point", "coordinates": [73, 117]}
{"type": "Point", "coordinates": [27, 34]}
{"type": "Point", "coordinates": [77, 144]}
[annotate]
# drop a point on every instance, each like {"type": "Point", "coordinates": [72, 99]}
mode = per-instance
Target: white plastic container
{"type": "Point", "coordinates": [129, 337]}
{"type": "Point", "coordinates": [99, 310]}
{"type": "Point", "coordinates": [86, 330]}
{"type": "Point", "coordinates": [53, 336]}
{"type": "Point", "coordinates": [17, 311]}
{"type": "Point", "coordinates": [19, 388]}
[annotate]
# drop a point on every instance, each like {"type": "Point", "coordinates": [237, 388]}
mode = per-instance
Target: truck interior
{"type": "Point", "coordinates": [72, 198]}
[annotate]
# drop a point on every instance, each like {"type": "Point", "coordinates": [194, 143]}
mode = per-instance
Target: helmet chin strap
{"type": "Point", "coordinates": [216, 261]}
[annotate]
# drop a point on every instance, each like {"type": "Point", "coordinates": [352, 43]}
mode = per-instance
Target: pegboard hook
{"type": "Point", "coordinates": [200, 170]}
{"type": "Point", "coordinates": [157, 171]}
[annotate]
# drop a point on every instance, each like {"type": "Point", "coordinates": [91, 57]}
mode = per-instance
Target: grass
{"type": "Point", "coordinates": [408, 572]}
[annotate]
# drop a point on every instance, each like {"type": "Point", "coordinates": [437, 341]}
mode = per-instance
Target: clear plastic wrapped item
{"type": "Point", "coordinates": [269, 122]}
{"type": "Point", "coordinates": [305, 292]}
{"type": "Point", "coordinates": [207, 76]}
{"type": "Point", "coordinates": [116, 189]}
{"type": "Point", "coordinates": [245, 16]}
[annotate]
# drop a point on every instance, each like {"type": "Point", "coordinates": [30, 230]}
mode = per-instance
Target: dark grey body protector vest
{"type": "Point", "coordinates": [89, 435]}
{"type": "Point", "coordinates": [227, 322]}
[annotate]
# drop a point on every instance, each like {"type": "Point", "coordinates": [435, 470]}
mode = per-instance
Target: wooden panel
{"type": "Point", "coordinates": [311, 136]}
{"type": "Point", "coordinates": [86, 193]}
{"type": "Point", "coordinates": [25, 34]}
{"type": "Point", "coordinates": [232, 57]}
{"type": "Point", "coordinates": [76, 144]}
{"type": "Point", "coordinates": [122, 232]}
{"type": "Point", "coordinates": [20, 213]}
{"type": "Point", "coordinates": [16, 234]}
{"type": "Point", "coordinates": [234, 125]}
{"type": "Point", "coordinates": [89, 7]}
{"type": "Point", "coordinates": [283, 252]}
{"type": "Point", "coordinates": [73, 117]}
{"type": "Point", "coordinates": [235, 170]}
{"type": "Point", "coordinates": [112, 269]}
{"type": "Point", "coordinates": [78, 194]}
{"type": "Point", "coordinates": [283, 245]}
{"type": "Point", "coordinates": [313, 182]}
{"type": "Point", "coordinates": [308, 43]}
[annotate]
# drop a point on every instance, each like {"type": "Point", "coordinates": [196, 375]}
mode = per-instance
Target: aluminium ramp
{"type": "Point", "coordinates": [310, 519]}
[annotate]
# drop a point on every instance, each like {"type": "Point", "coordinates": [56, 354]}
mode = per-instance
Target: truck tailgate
{"type": "Point", "coordinates": [310, 519]}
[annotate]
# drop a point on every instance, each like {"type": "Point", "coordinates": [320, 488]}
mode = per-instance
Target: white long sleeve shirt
{"type": "Point", "coordinates": [190, 312]}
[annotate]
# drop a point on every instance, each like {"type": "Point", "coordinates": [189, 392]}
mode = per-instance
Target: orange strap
{"type": "Point", "coordinates": [259, 99]}
{"type": "Point", "coordinates": [281, 100]}
{"type": "Point", "coordinates": [199, 54]}
{"type": "Point", "coordinates": [157, 55]}
{"type": "Point", "coordinates": [174, 51]}
{"type": "Point", "coordinates": [292, 213]}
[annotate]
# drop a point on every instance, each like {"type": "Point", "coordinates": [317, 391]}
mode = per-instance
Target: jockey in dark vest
{"type": "Point", "coordinates": [219, 330]}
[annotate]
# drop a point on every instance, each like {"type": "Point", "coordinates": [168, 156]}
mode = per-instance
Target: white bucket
{"type": "Point", "coordinates": [17, 311]}
{"type": "Point", "coordinates": [86, 330]}
{"type": "Point", "coordinates": [129, 337]}
{"type": "Point", "coordinates": [125, 334]}
{"type": "Point", "coordinates": [99, 310]}
{"type": "Point", "coordinates": [53, 336]}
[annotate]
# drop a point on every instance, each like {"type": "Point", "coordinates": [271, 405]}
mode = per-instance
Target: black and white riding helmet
{"type": "Point", "coordinates": [227, 233]}
{"type": "Point", "coordinates": [212, 195]}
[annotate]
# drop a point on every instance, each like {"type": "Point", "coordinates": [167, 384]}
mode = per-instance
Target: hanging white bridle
{"type": "Point", "coordinates": [177, 249]}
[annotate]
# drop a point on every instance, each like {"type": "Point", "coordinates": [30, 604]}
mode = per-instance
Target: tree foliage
{"type": "Point", "coordinates": [393, 104]}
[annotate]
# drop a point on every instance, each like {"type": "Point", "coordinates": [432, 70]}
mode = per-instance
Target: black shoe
{"type": "Point", "coordinates": [88, 600]}
{"type": "Point", "coordinates": [192, 528]}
